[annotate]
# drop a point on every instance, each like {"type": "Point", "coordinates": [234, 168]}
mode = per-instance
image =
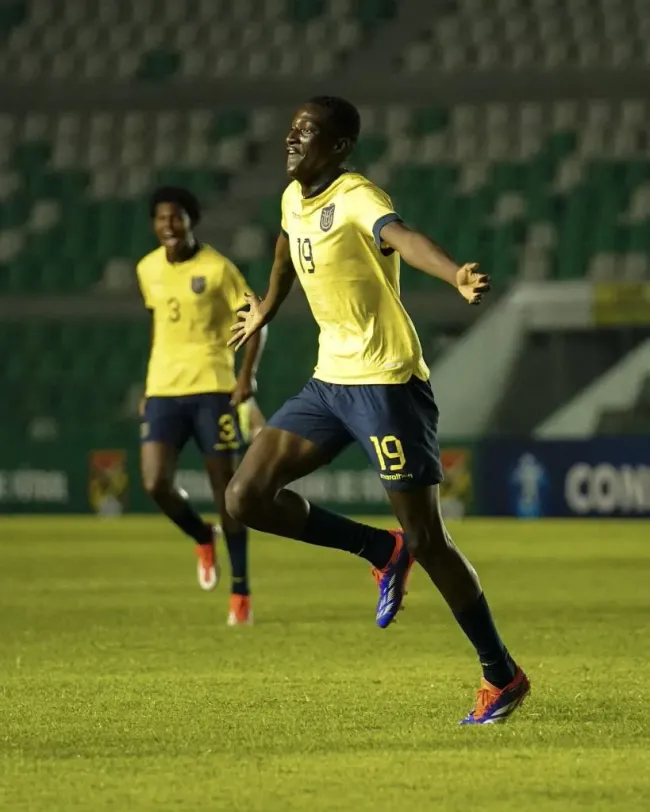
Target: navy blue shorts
{"type": "Point", "coordinates": [395, 423]}
{"type": "Point", "coordinates": [208, 419]}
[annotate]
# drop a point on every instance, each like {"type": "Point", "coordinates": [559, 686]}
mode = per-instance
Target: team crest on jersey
{"type": "Point", "coordinates": [198, 284]}
{"type": "Point", "coordinates": [327, 217]}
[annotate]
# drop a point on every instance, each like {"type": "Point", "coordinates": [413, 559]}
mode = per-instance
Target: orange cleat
{"type": "Point", "coordinates": [494, 705]}
{"type": "Point", "coordinates": [208, 569]}
{"type": "Point", "coordinates": [241, 611]}
{"type": "Point", "coordinates": [392, 581]}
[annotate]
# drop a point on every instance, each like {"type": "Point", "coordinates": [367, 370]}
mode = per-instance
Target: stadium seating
{"type": "Point", "coordinates": [94, 371]}
{"type": "Point", "coordinates": [167, 39]}
{"type": "Point", "coordinates": [69, 369]}
{"type": "Point", "coordinates": [532, 190]}
{"type": "Point", "coordinates": [548, 34]}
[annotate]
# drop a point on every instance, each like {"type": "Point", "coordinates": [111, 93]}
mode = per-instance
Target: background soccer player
{"type": "Point", "coordinates": [339, 236]}
{"type": "Point", "coordinates": [192, 391]}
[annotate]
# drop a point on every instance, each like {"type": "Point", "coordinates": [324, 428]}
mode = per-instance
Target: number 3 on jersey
{"type": "Point", "coordinates": [306, 255]}
{"type": "Point", "coordinates": [174, 309]}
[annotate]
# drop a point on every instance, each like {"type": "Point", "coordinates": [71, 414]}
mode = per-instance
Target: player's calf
{"type": "Point", "coordinates": [158, 486]}
{"type": "Point", "coordinates": [175, 504]}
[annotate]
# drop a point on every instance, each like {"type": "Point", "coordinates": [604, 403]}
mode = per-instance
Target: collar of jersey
{"type": "Point", "coordinates": [319, 191]}
{"type": "Point", "coordinates": [199, 247]}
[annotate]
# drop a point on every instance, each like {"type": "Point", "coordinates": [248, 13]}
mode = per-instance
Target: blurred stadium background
{"type": "Point", "coordinates": [515, 132]}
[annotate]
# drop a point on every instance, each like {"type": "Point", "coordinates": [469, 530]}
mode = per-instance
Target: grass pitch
{"type": "Point", "coordinates": [121, 687]}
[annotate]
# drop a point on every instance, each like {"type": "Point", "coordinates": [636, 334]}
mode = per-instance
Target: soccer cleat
{"type": "Point", "coordinates": [207, 568]}
{"type": "Point", "coordinates": [494, 705]}
{"type": "Point", "coordinates": [392, 581]}
{"type": "Point", "coordinates": [241, 611]}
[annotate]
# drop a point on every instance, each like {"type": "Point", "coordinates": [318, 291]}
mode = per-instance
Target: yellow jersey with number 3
{"type": "Point", "coordinates": [194, 305]}
{"type": "Point", "coordinates": [351, 281]}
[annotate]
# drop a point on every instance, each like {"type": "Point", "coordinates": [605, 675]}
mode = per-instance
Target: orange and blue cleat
{"type": "Point", "coordinates": [391, 581]}
{"type": "Point", "coordinates": [495, 705]}
{"type": "Point", "coordinates": [241, 611]}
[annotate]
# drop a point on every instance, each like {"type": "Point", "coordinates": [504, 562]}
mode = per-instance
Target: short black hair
{"type": "Point", "coordinates": [343, 115]}
{"type": "Point", "coordinates": [179, 197]}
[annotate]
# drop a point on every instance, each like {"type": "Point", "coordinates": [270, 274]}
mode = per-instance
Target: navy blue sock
{"type": "Point", "coordinates": [238, 552]}
{"type": "Point", "coordinates": [478, 625]}
{"type": "Point", "coordinates": [327, 529]}
{"type": "Point", "coordinates": [192, 524]}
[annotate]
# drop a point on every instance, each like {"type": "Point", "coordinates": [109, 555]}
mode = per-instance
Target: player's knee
{"type": "Point", "coordinates": [241, 498]}
{"type": "Point", "coordinates": [155, 484]}
{"type": "Point", "coordinates": [421, 540]}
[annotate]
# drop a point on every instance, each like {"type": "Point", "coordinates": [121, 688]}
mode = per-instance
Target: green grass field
{"type": "Point", "coordinates": [122, 688]}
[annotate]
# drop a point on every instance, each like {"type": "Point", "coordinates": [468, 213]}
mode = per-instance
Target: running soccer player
{"type": "Point", "coordinates": [342, 238]}
{"type": "Point", "coordinates": [192, 391]}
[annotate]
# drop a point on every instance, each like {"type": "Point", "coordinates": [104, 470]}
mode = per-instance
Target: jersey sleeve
{"type": "Point", "coordinates": [235, 286]}
{"type": "Point", "coordinates": [144, 288]}
{"type": "Point", "coordinates": [370, 209]}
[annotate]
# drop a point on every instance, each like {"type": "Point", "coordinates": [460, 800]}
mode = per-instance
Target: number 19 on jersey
{"type": "Point", "coordinates": [306, 255]}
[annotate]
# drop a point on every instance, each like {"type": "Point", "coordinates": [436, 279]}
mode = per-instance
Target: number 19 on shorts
{"type": "Point", "coordinates": [390, 453]}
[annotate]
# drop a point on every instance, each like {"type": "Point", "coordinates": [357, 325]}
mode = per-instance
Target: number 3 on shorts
{"type": "Point", "coordinates": [389, 448]}
{"type": "Point", "coordinates": [227, 433]}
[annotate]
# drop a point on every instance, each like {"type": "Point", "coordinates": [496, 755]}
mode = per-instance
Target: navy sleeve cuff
{"type": "Point", "coordinates": [384, 221]}
{"type": "Point", "coordinates": [284, 233]}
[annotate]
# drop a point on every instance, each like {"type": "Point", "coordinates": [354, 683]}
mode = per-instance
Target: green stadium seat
{"type": "Point", "coordinates": [257, 274]}
{"type": "Point", "coordinates": [228, 124]}
{"type": "Point", "coordinates": [12, 14]}
{"type": "Point", "coordinates": [369, 150]}
{"type": "Point", "coordinates": [31, 156]}
{"type": "Point", "coordinates": [269, 214]}
{"type": "Point", "coordinates": [15, 211]}
{"type": "Point", "coordinates": [372, 12]}
{"type": "Point", "coordinates": [429, 120]}
{"type": "Point", "coordinates": [303, 11]}
{"type": "Point", "coordinates": [158, 65]}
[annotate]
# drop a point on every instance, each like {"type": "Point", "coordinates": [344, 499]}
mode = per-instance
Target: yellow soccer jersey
{"type": "Point", "coordinates": [352, 282]}
{"type": "Point", "coordinates": [193, 303]}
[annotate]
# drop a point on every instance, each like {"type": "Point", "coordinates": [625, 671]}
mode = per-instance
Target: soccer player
{"type": "Point", "coordinates": [342, 238]}
{"type": "Point", "coordinates": [192, 392]}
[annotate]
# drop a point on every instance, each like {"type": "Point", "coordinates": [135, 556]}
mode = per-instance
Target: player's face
{"type": "Point", "coordinates": [171, 225]}
{"type": "Point", "coordinates": [312, 147]}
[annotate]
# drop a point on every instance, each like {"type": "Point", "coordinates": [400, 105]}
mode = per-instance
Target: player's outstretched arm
{"type": "Point", "coordinates": [422, 253]}
{"type": "Point", "coordinates": [261, 311]}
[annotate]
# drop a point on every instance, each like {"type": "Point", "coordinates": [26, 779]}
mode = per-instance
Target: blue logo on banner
{"type": "Point", "coordinates": [528, 487]}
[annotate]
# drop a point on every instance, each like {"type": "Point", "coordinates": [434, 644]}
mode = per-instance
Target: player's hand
{"type": "Point", "coordinates": [142, 406]}
{"type": "Point", "coordinates": [251, 320]}
{"type": "Point", "coordinates": [471, 284]}
{"type": "Point", "coordinates": [244, 389]}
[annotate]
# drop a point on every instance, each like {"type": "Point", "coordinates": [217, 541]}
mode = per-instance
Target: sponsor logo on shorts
{"type": "Point", "coordinates": [327, 217]}
{"type": "Point", "coordinates": [395, 477]}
